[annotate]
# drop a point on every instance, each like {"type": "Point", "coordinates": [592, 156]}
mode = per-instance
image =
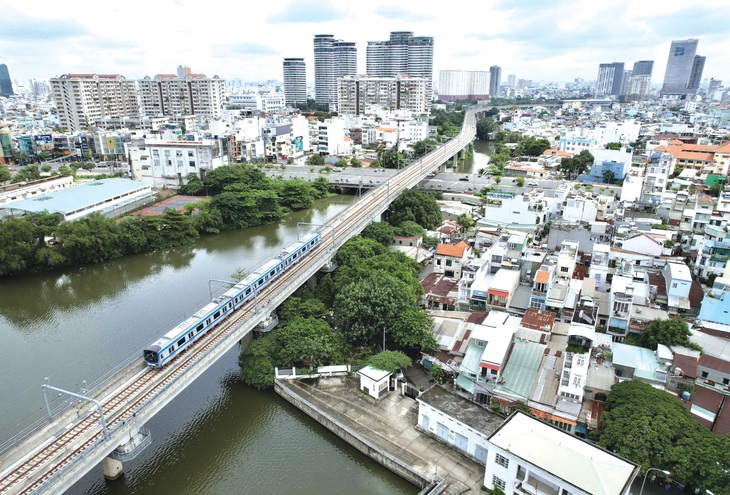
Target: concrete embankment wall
{"type": "Point", "coordinates": [347, 434]}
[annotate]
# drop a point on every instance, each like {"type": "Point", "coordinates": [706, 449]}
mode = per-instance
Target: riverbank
{"type": "Point", "coordinates": [384, 430]}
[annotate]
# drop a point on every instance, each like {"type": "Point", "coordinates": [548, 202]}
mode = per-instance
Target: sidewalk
{"type": "Point", "coordinates": [390, 424]}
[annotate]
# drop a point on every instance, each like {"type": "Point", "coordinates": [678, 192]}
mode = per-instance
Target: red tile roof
{"type": "Point", "coordinates": [455, 250]}
{"type": "Point", "coordinates": [687, 364]}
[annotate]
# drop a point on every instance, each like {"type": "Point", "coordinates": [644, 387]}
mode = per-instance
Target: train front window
{"type": "Point", "coordinates": [150, 356]}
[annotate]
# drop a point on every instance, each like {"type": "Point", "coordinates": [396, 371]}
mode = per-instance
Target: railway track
{"type": "Point", "coordinates": [47, 461]}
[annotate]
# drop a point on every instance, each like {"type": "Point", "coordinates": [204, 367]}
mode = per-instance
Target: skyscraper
{"type": "Point", "coordinates": [6, 86]}
{"type": "Point", "coordinates": [610, 79]}
{"type": "Point", "coordinates": [463, 84]}
{"type": "Point", "coordinates": [332, 59]}
{"type": "Point", "coordinates": [643, 68]}
{"type": "Point", "coordinates": [511, 80]}
{"type": "Point", "coordinates": [403, 53]}
{"type": "Point", "coordinates": [495, 74]}
{"type": "Point", "coordinates": [295, 80]}
{"type": "Point", "coordinates": [684, 68]}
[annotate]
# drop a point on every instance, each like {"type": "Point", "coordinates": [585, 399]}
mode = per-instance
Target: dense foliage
{"type": "Point", "coordinates": [373, 293]}
{"type": "Point", "coordinates": [243, 196]}
{"type": "Point", "coordinates": [667, 332]}
{"type": "Point", "coordinates": [653, 429]}
{"type": "Point", "coordinates": [416, 206]}
{"type": "Point", "coordinates": [573, 167]}
{"type": "Point", "coordinates": [390, 361]}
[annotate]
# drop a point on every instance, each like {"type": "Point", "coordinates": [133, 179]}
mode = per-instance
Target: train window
{"type": "Point", "coordinates": [248, 291]}
{"type": "Point", "coordinates": [190, 335]}
{"type": "Point", "coordinates": [261, 282]}
{"type": "Point", "coordinates": [217, 314]}
{"type": "Point", "coordinates": [271, 274]}
{"type": "Point", "coordinates": [200, 327]}
{"type": "Point", "coordinates": [294, 257]}
{"type": "Point", "coordinates": [181, 342]}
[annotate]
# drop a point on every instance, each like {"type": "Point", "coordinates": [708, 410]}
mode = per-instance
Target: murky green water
{"type": "Point", "coordinates": [218, 436]}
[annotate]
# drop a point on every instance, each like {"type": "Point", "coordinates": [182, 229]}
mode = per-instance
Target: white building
{"type": "Point", "coordinates": [166, 164]}
{"type": "Point", "coordinates": [21, 191]}
{"type": "Point", "coordinates": [195, 94]}
{"type": "Point", "coordinates": [374, 382]}
{"type": "Point", "coordinates": [265, 103]}
{"type": "Point", "coordinates": [527, 456]}
{"type": "Point", "coordinates": [463, 84]}
{"type": "Point", "coordinates": [356, 93]}
{"type": "Point", "coordinates": [580, 209]}
{"type": "Point", "coordinates": [656, 178]}
{"type": "Point", "coordinates": [331, 137]}
{"type": "Point", "coordinates": [85, 100]}
{"type": "Point", "coordinates": [679, 281]}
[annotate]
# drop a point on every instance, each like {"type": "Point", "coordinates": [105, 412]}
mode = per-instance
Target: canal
{"type": "Point", "coordinates": [70, 328]}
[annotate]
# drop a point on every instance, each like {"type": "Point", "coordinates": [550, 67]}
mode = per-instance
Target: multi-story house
{"type": "Point", "coordinates": [166, 164]}
{"type": "Point", "coordinates": [450, 259]}
{"type": "Point", "coordinates": [600, 269]}
{"type": "Point", "coordinates": [331, 138]}
{"type": "Point", "coordinates": [712, 258]}
{"type": "Point", "coordinates": [678, 283]}
{"type": "Point", "coordinates": [621, 301]}
{"type": "Point", "coordinates": [656, 177]}
{"type": "Point", "coordinates": [521, 460]}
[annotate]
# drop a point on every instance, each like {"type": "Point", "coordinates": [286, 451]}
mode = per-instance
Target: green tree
{"type": "Point", "coordinates": [370, 307]}
{"type": "Point", "coordinates": [193, 185]}
{"type": "Point", "coordinates": [653, 428]}
{"type": "Point", "coordinates": [88, 166]}
{"type": "Point", "coordinates": [497, 179]}
{"type": "Point", "coordinates": [520, 182]}
{"type": "Point", "coordinates": [92, 239]}
{"type": "Point", "coordinates": [416, 206]}
{"type": "Point", "coordinates": [355, 163]}
{"type": "Point", "coordinates": [18, 239]}
{"type": "Point", "coordinates": [257, 363]}
{"type": "Point", "coordinates": [357, 249]}
{"type": "Point", "coordinates": [341, 163]}
{"type": "Point", "coordinates": [5, 174]}
{"type": "Point", "coordinates": [46, 168]}
{"type": "Point", "coordinates": [613, 146]}
{"type": "Point", "coordinates": [380, 232]}
{"type": "Point", "coordinates": [307, 342]}
{"type": "Point", "coordinates": [409, 228]}
{"type": "Point", "coordinates": [301, 305]}
{"type": "Point", "coordinates": [177, 229]}
{"type": "Point", "coordinates": [28, 173]}
{"type": "Point", "coordinates": [390, 361]}
{"type": "Point", "coordinates": [246, 176]}
{"type": "Point", "coordinates": [668, 332]}
{"type": "Point", "coordinates": [315, 160]}
{"type": "Point", "coordinates": [485, 127]}
{"type": "Point", "coordinates": [608, 176]}
{"type": "Point", "coordinates": [321, 187]}
{"type": "Point", "coordinates": [422, 147]}
{"type": "Point", "coordinates": [466, 222]}
{"type": "Point", "coordinates": [296, 194]}
{"type": "Point", "coordinates": [413, 329]}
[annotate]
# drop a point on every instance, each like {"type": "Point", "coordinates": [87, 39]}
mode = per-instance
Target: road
{"type": "Point", "coordinates": [441, 181]}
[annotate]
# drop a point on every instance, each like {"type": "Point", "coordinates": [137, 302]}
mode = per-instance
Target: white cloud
{"type": "Point", "coordinates": [534, 39]}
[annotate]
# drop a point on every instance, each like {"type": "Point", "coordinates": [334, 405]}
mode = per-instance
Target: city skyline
{"type": "Point", "coordinates": [556, 42]}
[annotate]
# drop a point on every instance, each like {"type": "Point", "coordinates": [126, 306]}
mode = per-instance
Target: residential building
{"type": "Point", "coordinates": [333, 59]}
{"type": "Point", "coordinates": [522, 459]}
{"type": "Point", "coordinates": [495, 74]}
{"type": "Point", "coordinates": [656, 178]}
{"type": "Point", "coordinates": [678, 283]}
{"type": "Point", "coordinates": [6, 84]}
{"type": "Point", "coordinates": [463, 85]}
{"type": "Point", "coordinates": [450, 259]}
{"type": "Point", "coordinates": [610, 79]}
{"type": "Point", "coordinates": [403, 53]}
{"type": "Point", "coordinates": [637, 86]}
{"type": "Point", "coordinates": [86, 100]}
{"type": "Point", "coordinates": [16, 192]}
{"type": "Point", "coordinates": [356, 94]}
{"type": "Point", "coordinates": [196, 94]}
{"type": "Point", "coordinates": [331, 139]}
{"type": "Point", "coordinates": [270, 102]}
{"type": "Point", "coordinates": [295, 81]}
{"type": "Point", "coordinates": [166, 164]}
{"type": "Point", "coordinates": [456, 421]}
{"type": "Point", "coordinates": [681, 67]}
{"type": "Point", "coordinates": [643, 68]}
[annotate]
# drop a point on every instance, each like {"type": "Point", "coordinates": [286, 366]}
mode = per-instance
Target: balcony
{"type": "Point", "coordinates": [532, 486]}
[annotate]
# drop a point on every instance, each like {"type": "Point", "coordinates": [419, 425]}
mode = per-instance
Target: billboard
{"type": "Point", "coordinates": [298, 144]}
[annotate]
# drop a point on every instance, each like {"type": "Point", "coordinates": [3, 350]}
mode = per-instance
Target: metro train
{"type": "Point", "coordinates": [195, 327]}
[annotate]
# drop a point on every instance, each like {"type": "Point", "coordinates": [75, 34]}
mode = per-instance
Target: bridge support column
{"type": "Point", "coordinates": [113, 468]}
{"type": "Point", "coordinates": [312, 282]}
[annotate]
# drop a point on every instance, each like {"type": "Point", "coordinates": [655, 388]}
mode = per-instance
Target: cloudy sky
{"type": "Point", "coordinates": [548, 40]}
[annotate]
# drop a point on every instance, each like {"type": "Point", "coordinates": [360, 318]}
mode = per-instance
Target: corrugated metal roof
{"type": "Point", "coordinates": [80, 197]}
{"type": "Point", "coordinates": [521, 370]}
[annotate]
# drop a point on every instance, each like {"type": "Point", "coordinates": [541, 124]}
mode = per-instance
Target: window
{"type": "Point", "coordinates": [501, 460]}
{"type": "Point", "coordinates": [705, 374]}
{"type": "Point", "coordinates": [564, 269]}
{"type": "Point", "coordinates": [674, 285]}
{"type": "Point", "coordinates": [498, 483]}
{"type": "Point", "coordinates": [726, 381]}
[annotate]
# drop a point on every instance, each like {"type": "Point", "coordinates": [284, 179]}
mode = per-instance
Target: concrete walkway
{"type": "Point", "coordinates": [390, 424]}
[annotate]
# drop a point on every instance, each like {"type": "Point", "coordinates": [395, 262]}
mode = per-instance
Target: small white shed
{"type": "Point", "coordinates": [374, 382]}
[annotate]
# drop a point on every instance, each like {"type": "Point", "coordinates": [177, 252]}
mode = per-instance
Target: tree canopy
{"type": "Point", "coordinates": [390, 361]}
{"type": "Point", "coordinates": [380, 232]}
{"type": "Point", "coordinates": [667, 332]}
{"type": "Point", "coordinates": [652, 428]}
{"type": "Point", "coordinates": [415, 206]}
{"type": "Point", "coordinates": [573, 167]}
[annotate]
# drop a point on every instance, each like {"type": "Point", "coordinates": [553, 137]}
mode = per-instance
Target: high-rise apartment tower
{"type": "Point", "coordinates": [295, 81]}
{"type": "Point", "coordinates": [333, 59]}
{"type": "Point", "coordinates": [495, 74]}
{"type": "Point", "coordinates": [402, 54]}
{"type": "Point", "coordinates": [610, 79]}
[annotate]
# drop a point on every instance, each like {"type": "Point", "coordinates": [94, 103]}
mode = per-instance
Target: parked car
{"type": "Point", "coordinates": [465, 178]}
{"type": "Point", "coordinates": [533, 184]}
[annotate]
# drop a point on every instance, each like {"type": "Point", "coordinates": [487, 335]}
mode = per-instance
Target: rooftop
{"type": "Point", "coordinates": [463, 410]}
{"type": "Point", "coordinates": [580, 463]}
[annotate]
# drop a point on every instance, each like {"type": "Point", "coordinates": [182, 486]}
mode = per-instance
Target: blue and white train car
{"type": "Point", "coordinates": [187, 332]}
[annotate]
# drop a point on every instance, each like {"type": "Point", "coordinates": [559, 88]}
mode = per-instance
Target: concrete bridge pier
{"type": "Point", "coordinates": [136, 440]}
